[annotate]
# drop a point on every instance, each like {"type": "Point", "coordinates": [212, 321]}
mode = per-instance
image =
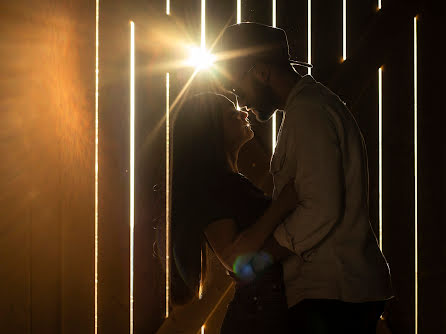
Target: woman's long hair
{"type": "Point", "coordinates": [198, 163]}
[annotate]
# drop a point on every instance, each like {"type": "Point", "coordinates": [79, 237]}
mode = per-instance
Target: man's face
{"type": "Point", "coordinates": [254, 94]}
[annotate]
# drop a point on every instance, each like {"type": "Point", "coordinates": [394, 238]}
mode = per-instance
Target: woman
{"type": "Point", "coordinates": [212, 202]}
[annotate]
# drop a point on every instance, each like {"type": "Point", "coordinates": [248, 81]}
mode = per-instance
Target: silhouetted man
{"type": "Point", "coordinates": [337, 278]}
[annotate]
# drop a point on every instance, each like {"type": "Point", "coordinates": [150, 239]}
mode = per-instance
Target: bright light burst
{"type": "Point", "coordinates": [200, 58]}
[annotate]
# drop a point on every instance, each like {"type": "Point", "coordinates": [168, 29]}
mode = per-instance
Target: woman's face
{"type": "Point", "coordinates": [236, 128]}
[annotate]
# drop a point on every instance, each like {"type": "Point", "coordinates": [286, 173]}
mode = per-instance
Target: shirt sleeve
{"type": "Point", "coordinates": [319, 180]}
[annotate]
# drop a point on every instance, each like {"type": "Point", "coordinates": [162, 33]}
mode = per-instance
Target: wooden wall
{"type": "Point", "coordinates": [47, 146]}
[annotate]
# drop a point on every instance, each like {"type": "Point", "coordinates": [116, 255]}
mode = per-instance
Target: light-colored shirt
{"type": "Point", "coordinates": [337, 255]}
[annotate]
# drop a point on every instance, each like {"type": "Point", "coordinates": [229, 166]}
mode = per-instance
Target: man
{"type": "Point", "coordinates": [337, 278]}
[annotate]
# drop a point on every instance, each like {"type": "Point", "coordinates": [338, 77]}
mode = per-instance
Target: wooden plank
{"type": "Point", "coordinates": [326, 38]}
{"type": "Point", "coordinates": [114, 141]}
{"type": "Point", "coordinates": [398, 173]}
{"type": "Point", "coordinates": [15, 173]}
{"type": "Point", "coordinates": [149, 282]}
{"type": "Point", "coordinates": [77, 168]}
{"type": "Point", "coordinates": [360, 17]}
{"type": "Point", "coordinates": [431, 167]}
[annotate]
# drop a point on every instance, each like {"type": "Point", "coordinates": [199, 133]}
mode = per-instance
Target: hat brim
{"type": "Point", "coordinates": [295, 62]}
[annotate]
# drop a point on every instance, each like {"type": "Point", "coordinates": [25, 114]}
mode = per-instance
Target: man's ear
{"type": "Point", "coordinates": [262, 72]}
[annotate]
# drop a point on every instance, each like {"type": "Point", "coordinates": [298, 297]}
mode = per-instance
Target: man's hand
{"type": "Point", "coordinates": [272, 247]}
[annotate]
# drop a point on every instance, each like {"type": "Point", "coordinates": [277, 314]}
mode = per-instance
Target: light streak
{"type": "Point", "coordinates": [274, 13]}
{"type": "Point", "coordinates": [167, 193]}
{"type": "Point", "coordinates": [167, 183]}
{"type": "Point", "coordinates": [274, 132]}
{"type": "Point", "coordinates": [132, 165]}
{"type": "Point", "coordinates": [220, 300]}
{"type": "Point", "coordinates": [200, 288]}
{"type": "Point", "coordinates": [206, 60]}
{"type": "Point", "coordinates": [239, 11]}
{"type": "Point", "coordinates": [274, 118]}
{"type": "Point", "coordinates": [309, 35]}
{"type": "Point", "coordinates": [344, 29]}
{"type": "Point", "coordinates": [96, 175]}
{"type": "Point", "coordinates": [415, 80]}
{"type": "Point", "coordinates": [379, 4]}
{"type": "Point", "coordinates": [380, 159]}
{"type": "Point", "coordinates": [203, 25]}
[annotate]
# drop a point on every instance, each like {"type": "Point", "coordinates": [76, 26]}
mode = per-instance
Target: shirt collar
{"type": "Point", "coordinates": [305, 80]}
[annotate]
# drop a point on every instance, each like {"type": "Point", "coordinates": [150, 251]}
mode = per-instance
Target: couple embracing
{"type": "Point", "coordinates": [305, 260]}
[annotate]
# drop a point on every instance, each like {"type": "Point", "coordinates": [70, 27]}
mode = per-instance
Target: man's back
{"type": "Point", "coordinates": [321, 146]}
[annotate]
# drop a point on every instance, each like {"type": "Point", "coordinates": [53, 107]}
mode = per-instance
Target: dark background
{"type": "Point", "coordinates": [47, 143]}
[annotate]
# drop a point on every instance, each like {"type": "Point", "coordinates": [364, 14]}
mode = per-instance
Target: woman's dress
{"type": "Point", "coordinates": [259, 306]}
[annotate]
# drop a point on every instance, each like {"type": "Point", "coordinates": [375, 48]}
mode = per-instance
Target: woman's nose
{"type": "Point", "coordinates": [244, 114]}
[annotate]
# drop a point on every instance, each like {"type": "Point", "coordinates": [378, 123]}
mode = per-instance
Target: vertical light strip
{"type": "Point", "coordinates": [203, 24]}
{"type": "Point", "coordinates": [415, 108]}
{"type": "Point", "coordinates": [344, 29]}
{"type": "Point", "coordinates": [200, 288]}
{"type": "Point", "coordinates": [239, 11]}
{"type": "Point", "coordinates": [309, 35]}
{"type": "Point", "coordinates": [203, 47]}
{"type": "Point", "coordinates": [274, 18]}
{"type": "Point", "coordinates": [96, 174]}
{"type": "Point", "coordinates": [380, 159]}
{"type": "Point", "coordinates": [167, 111]}
{"type": "Point", "coordinates": [379, 4]}
{"type": "Point", "coordinates": [167, 193]}
{"type": "Point", "coordinates": [132, 164]}
{"type": "Point", "coordinates": [274, 118]}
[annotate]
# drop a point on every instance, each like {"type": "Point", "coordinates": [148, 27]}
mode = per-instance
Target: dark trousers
{"type": "Point", "coordinates": [323, 316]}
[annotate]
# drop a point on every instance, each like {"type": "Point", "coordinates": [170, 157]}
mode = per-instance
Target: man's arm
{"type": "Point", "coordinates": [319, 181]}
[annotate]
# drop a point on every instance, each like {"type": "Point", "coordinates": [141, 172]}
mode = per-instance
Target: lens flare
{"type": "Point", "coordinates": [248, 266]}
{"type": "Point", "coordinates": [200, 58]}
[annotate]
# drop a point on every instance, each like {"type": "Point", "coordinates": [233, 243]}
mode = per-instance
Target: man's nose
{"type": "Point", "coordinates": [242, 103]}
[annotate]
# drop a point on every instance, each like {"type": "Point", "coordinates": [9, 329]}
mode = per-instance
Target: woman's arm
{"type": "Point", "coordinates": [229, 244]}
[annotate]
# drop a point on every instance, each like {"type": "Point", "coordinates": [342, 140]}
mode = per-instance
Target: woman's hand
{"type": "Point", "coordinates": [287, 199]}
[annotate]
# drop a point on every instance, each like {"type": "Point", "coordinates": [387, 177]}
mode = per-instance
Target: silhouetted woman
{"type": "Point", "coordinates": [213, 203]}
